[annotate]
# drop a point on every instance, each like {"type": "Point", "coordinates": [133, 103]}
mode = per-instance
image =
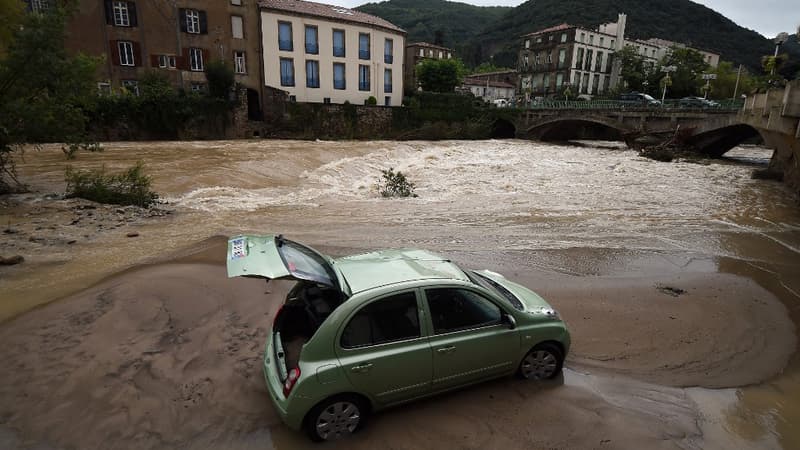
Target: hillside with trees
{"type": "Point", "coordinates": [484, 34]}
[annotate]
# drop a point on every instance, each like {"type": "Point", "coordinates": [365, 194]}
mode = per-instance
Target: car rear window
{"type": "Point", "coordinates": [492, 285]}
{"type": "Point", "coordinates": [304, 263]}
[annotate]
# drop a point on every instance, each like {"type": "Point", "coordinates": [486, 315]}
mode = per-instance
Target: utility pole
{"type": "Point", "coordinates": [738, 77]}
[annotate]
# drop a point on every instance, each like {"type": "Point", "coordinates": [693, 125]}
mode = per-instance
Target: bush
{"type": "Point", "coordinates": [130, 187]}
{"type": "Point", "coordinates": [395, 184]}
{"type": "Point", "coordinates": [372, 101]}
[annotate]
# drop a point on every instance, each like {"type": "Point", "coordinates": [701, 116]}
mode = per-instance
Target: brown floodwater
{"type": "Point", "coordinates": [597, 210]}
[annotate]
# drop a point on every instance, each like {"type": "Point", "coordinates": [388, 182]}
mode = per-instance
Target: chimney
{"type": "Point", "coordinates": [621, 21]}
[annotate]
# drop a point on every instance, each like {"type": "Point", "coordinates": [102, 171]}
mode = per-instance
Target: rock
{"type": "Point", "coordinates": [71, 242]}
{"type": "Point", "coordinates": [132, 234]}
{"type": "Point", "coordinates": [11, 261]}
{"type": "Point", "coordinates": [10, 231]}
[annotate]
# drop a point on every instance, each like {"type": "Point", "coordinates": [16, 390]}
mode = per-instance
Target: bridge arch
{"type": "Point", "coordinates": [719, 141]}
{"type": "Point", "coordinates": [503, 129]}
{"type": "Point", "coordinates": [568, 128]}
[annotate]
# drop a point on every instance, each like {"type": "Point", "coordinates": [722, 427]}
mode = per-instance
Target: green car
{"type": "Point", "coordinates": [365, 332]}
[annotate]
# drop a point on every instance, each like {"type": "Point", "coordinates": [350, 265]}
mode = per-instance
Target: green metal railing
{"type": "Point", "coordinates": [724, 105]}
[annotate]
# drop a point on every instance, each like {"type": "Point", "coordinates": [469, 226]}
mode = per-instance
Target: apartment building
{"type": "Point", "coordinates": [177, 38]}
{"type": "Point", "coordinates": [418, 51]}
{"type": "Point", "coordinates": [329, 54]}
{"type": "Point", "coordinates": [582, 59]}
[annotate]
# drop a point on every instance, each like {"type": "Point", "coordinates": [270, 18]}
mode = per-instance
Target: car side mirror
{"type": "Point", "coordinates": [509, 320]}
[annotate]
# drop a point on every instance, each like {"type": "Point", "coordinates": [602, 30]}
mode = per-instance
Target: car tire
{"type": "Point", "coordinates": [543, 362]}
{"type": "Point", "coordinates": [336, 418]}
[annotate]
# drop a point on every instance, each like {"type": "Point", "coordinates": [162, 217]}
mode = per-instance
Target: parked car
{"type": "Point", "coordinates": [697, 102]}
{"type": "Point", "coordinates": [639, 99]}
{"type": "Point", "coordinates": [365, 332]}
{"type": "Point", "coordinates": [501, 103]}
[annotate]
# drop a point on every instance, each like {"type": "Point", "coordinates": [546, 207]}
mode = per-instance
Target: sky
{"type": "Point", "coordinates": [768, 17]}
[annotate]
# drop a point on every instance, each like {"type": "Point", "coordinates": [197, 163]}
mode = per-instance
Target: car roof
{"type": "Point", "coordinates": [381, 268]}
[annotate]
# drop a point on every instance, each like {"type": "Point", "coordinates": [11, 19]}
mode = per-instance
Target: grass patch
{"type": "Point", "coordinates": [129, 187]}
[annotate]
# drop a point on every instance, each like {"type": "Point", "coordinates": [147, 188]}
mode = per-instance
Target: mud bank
{"type": "Point", "coordinates": [168, 356]}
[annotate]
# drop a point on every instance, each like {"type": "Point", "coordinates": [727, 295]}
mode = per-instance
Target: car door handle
{"type": "Point", "coordinates": [446, 350]}
{"type": "Point", "coordinates": [362, 368]}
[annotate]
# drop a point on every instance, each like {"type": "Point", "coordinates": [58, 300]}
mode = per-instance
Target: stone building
{"type": "Point", "coordinates": [329, 54]}
{"type": "Point", "coordinates": [177, 38]}
{"type": "Point", "coordinates": [581, 59]}
{"type": "Point", "coordinates": [416, 52]}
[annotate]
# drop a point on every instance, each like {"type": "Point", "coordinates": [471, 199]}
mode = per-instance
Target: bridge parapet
{"type": "Point", "coordinates": [776, 110]}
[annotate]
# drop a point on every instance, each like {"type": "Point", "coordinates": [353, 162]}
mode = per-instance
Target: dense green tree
{"type": "Point", "coordinates": [220, 79]}
{"type": "Point", "coordinates": [11, 15]}
{"type": "Point", "coordinates": [724, 86]}
{"type": "Point", "coordinates": [43, 90]}
{"type": "Point", "coordinates": [687, 79]}
{"type": "Point", "coordinates": [440, 75]}
{"type": "Point", "coordinates": [632, 68]}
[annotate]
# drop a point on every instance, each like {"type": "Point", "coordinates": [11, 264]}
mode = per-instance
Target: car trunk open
{"type": "Point", "coordinates": [314, 297]}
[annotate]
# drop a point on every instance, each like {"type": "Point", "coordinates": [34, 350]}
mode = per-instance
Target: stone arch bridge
{"type": "Point", "coordinates": [774, 116]}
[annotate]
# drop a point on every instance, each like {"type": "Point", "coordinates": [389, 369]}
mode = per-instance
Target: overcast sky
{"type": "Point", "coordinates": [768, 17]}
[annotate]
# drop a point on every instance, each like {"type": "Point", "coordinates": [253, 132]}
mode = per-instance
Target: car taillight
{"type": "Point", "coordinates": [294, 374]}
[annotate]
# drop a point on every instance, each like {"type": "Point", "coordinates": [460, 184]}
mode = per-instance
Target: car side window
{"type": "Point", "coordinates": [454, 309]}
{"type": "Point", "coordinates": [389, 319]}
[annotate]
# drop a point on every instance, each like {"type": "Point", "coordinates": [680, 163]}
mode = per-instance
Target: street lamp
{"type": "Point", "coordinates": [667, 81]}
{"type": "Point", "coordinates": [708, 77]}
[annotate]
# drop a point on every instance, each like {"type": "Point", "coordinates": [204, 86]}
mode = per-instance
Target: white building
{"type": "Point", "coordinates": [329, 54]}
{"type": "Point", "coordinates": [490, 90]}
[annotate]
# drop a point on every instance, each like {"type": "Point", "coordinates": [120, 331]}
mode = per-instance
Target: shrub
{"type": "Point", "coordinates": [130, 187]}
{"type": "Point", "coordinates": [372, 101]}
{"type": "Point", "coordinates": [395, 184]}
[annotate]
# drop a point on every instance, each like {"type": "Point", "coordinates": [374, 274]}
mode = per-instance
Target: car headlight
{"type": "Point", "coordinates": [548, 312]}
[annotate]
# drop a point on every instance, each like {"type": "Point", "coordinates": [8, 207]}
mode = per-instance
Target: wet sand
{"type": "Point", "coordinates": [168, 355]}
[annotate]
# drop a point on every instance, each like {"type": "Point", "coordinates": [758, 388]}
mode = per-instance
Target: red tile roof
{"type": "Point", "coordinates": [324, 11]}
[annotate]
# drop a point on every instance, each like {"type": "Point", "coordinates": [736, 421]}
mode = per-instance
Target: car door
{"type": "Point", "coordinates": [384, 350]}
{"type": "Point", "coordinates": [469, 338]}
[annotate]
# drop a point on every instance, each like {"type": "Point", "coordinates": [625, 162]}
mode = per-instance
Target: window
{"type": "Point", "coordinates": [562, 58]}
{"type": "Point", "coordinates": [338, 76]}
{"type": "Point", "coordinates": [104, 88]}
{"type": "Point", "coordinates": [122, 17]}
{"type": "Point", "coordinates": [312, 74]}
{"type": "Point", "coordinates": [326, 100]}
{"type": "Point", "coordinates": [454, 309]}
{"type": "Point", "coordinates": [387, 101]}
{"type": "Point", "coordinates": [131, 86]}
{"type": "Point", "coordinates": [126, 53]}
{"type": "Point", "coordinates": [546, 82]}
{"type": "Point", "coordinates": [162, 61]}
{"type": "Point", "coordinates": [583, 37]}
{"type": "Point", "coordinates": [539, 40]}
{"type": "Point", "coordinates": [387, 80]}
{"type": "Point", "coordinates": [588, 64]}
{"type": "Point", "coordinates": [285, 36]}
{"type": "Point", "coordinates": [196, 59]}
{"type": "Point", "coordinates": [422, 52]}
{"type": "Point", "coordinates": [598, 62]}
{"type": "Point", "coordinates": [338, 43]}
{"type": "Point", "coordinates": [549, 58]}
{"type": "Point", "coordinates": [559, 80]}
{"type": "Point", "coordinates": [312, 45]}
{"type": "Point", "coordinates": [237, 27]}
{"type": "Point", "coordinates": [388, 51]}
{"type": "Point", "coordinates": [239, 62]}
{"type": "Point", "coordinates": [40, 6]}
{"type": "Point", "coordinates": [579, 59]}
{"type": "Point", "coordinates": [198, 87]}
{"type": "Point", "coordinates": [563, 37]}
{"type": "Point", "coordinates": [601, 41]}
{"type": "Point", "coordinates": [171, 61]}
{"type": "Point", "coordinates": [363, 46]}
{"type": "Point", "coordinates": [591, 39]}
{"type": "Point", "coordinates": [287, 72]}
{"type": "Point", "coordinates": [236, 2]}
{"type": "Point", "coordinates": [612, 43]}
{"type": "Point", "coordinates": [441, 55]}
{"type": "Point", "coordinates": [527, 43]}
{"type": "Point", "coordinates": [449, 55]}
{"type": "Point", "coordinates": [391, 319]}
{"type": "Point", "coordinates": [363, 78]}
{"type": "Point", "coordinates": [193, 21]}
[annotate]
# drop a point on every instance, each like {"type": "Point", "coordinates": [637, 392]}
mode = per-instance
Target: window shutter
{"type": "Point", "coordinates": [182, 62]}
{"type": "Point", "coordinates": [182, 19]}
{"type": "Point", "coordinates": [206, 56]}
{"type": "Point", "coordinates": [203, 23]}
{"type": "Point", "coordinates": [109, 13]}
{"type": "Point", "coordinates": [137, 54]}
{"type": "Point", "coordinates": [114, 47]}
{"type": "Point", "coordinates": [132, 14]}
{"type": "Point", "coordinates": [154, 61]}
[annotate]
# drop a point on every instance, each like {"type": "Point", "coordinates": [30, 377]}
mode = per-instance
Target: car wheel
{"type": "Point", "coordinates": [336, 418]}
{"type": "Point", "coordinates": [543, 362]}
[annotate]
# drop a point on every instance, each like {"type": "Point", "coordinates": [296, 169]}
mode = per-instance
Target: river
{"type": "Point", "coordinates": [582, 217]}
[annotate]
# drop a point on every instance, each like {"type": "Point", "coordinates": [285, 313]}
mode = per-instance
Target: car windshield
{"type": "Point", "coordinates": [302, 262]}
{"type": "Point", "coordinates": [495, 287]}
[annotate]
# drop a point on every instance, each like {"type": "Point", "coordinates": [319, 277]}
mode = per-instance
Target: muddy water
{"type": "Point", "coordinates": [557, 211]}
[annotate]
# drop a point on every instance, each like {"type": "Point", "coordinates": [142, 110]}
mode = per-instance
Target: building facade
{"type": "Point", "coordinates": [329, 54]}
{"type": "Point", "coordinates": [489, 90]}
{"type": "Point", "coordinates": [416, 52]}
{"type": "Point", "coordinates": [583, 60]}
{"type": "Point", "coordinates": [177, 38]}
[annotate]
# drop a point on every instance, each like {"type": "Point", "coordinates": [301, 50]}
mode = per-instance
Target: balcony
{"type": "Point", "coordinates": [363, 54]}
{"type": "Point", "coordinates": [388, 59]}
{"type": "Point", "coordinates": [338, 51]}
{"type": "Point", "coordinates": [312, 48]}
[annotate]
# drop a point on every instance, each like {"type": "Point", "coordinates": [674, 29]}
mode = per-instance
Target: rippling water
{"type": "Point", "coordinates": [484, 198]}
